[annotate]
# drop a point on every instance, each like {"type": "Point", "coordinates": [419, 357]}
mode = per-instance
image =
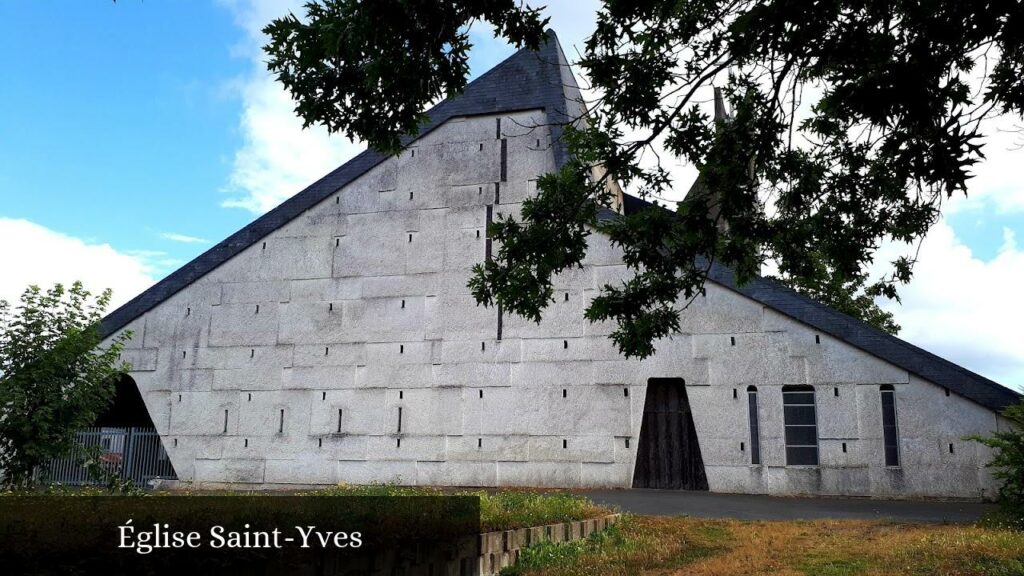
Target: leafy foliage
{"type": "Point", "coordinates": [1008, 463]}
{"type": "Point", "coordinates": [851, 123]}
{"type": "Point", "coordinates": [54, 378]}
{"type": "Point", "coordinates": [349, 53]}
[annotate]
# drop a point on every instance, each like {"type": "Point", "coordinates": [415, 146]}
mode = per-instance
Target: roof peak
{"type": "Point", "coordinates": [526, 80]}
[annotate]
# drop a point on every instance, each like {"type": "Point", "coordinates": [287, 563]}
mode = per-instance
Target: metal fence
{"type": "Point", "coordinates": [133, 453]}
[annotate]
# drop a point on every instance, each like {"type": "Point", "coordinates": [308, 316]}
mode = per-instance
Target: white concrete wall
{"type": "Point", "coordinates": [363, 307]}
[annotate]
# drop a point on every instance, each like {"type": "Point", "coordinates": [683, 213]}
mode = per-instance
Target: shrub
{"type": "Point", "coordinates": [1008, 463]}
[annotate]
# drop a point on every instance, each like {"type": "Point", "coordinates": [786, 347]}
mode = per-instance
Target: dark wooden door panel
{"type": "Point", "coordinates": [668, 453]}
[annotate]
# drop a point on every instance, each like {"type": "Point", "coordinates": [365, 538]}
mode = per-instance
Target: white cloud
{"type": "Point", "coordinates": [997, 182]}
{"type": "Point", "coordinates": [56, 257]}
{"type": "Point", "coordinates": [963, 308]}
{"type": "Point", "coordinates": [183, 238]}
{"type": "Point", "coordinates": [278, 157]}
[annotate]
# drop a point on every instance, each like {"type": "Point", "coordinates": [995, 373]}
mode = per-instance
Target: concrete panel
{"type": "Point", "coordinates": [308, 469]}
{"type": "Point", "coordinates": [245, 471]}
{"type": "Point", "coordinates": [457, 473]}
{"type": "Point", "coordinates": [376, 472]}
{"type": "Point", "coordinates": [488, 448]}
{"type": "Point", "coordinates": [404, 448]}
{"type": "Point", "coordinates": [244, 324]}
{"type": "Point", "coordinates": [539, 474]}
{"type": "Point", "coordinates": [140, 359]}
{"type": "Point", "coordinates": [363, 412]}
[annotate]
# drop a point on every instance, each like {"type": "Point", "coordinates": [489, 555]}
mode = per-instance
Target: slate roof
{"type": "Point", "coordinates": [855, 332]}
{"type": "Point", "coordinates": [530, 80]}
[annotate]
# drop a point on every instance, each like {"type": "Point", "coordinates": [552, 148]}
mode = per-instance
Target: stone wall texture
{"type": "Point", "coordinates": [345, 347]}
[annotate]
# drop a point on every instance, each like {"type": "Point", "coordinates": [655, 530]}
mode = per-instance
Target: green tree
{"type": "Point", "coordinates": [54, 377]}
{"type": "Point", "coordinates": [1008, 463]}
{"type": "Point", "coordinates": [852, 122]}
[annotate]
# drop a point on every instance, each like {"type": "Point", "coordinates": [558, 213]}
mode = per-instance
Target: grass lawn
{"type": "Point", "coordinates": [691, 546]}
{"type": "Point", "coordinates": [500, 509]}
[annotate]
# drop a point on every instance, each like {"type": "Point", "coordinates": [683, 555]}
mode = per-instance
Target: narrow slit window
{"type": "Point", "coordinates": [340, 412]}
{"type": "Point", "coordinates": [280, 423]}
{"type": "Point", "coordinates": [890, 430]}
{"type": "Point", "coordinates": [801, 424]}
{"type": "Point", "coordinates": [755, 426]}
{"type": "Point", "coordinates": [225, 421]}
{"type": "Point", "coordinates": [399, 419]}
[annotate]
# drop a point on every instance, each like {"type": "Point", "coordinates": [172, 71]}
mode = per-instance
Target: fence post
{"type": "Point", "coordinates": [127, 468]}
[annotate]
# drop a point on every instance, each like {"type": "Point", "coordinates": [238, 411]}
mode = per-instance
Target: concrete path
{"type": "Point", "coordinates": [752, 507]}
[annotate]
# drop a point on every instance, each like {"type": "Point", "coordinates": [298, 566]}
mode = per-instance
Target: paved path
{"type": "Point", "coordinates": [752, 507]}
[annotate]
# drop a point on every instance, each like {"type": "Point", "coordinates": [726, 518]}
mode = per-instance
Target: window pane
{"type": "Point", "coordinates": [889, 430]}
{"type": "Point", "coordinates": [801, 436]}
{"type": "Point", "coordinates": [799, 415]}
{"type": "Point", "coordinates": [797, 456]}
{"type": "Point", "coordinates": [755, 432]}
{"type": "Point", "coordinates": [892, 456]}
{"type": "Point", "coordinates": [888, 416]}
{"type": "Point", "coordinates": [798, 397]}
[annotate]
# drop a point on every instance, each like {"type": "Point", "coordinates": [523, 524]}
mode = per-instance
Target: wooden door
{"type": "Point", "coordinates": [668, 454]}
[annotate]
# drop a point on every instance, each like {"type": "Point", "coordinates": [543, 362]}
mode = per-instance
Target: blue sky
{"type": "Point", "coordinates": [135, 135]}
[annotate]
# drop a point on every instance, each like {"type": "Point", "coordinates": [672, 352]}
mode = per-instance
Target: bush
{"type": "Point", "coordinates": [1008, 463]}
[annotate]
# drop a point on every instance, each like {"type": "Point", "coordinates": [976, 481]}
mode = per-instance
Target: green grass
{"type": "Point", "coordinates": [819, 566]}
{"type": "Point", "coordinates": [564, 556]}
{"type": "Point", "coordinates": [681, 545]}
{"type": "Point", "coordinates": [499, 510]}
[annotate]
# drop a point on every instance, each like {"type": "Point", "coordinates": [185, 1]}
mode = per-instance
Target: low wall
{"type": "Point", "coordinates": [501, 549]}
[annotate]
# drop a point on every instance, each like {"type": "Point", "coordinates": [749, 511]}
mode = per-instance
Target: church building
{"type": "Point", "coordinates": [334, 340]}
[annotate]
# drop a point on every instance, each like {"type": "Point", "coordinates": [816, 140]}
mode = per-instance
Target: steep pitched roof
{"type": "Point", "coordinates": [527, 80]}
{"type": "Point", "coordinates": [530, 80]}
{"type": "Point", "coordinates": [857, 333]}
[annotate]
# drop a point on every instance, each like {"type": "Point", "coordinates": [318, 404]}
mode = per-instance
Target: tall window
{"type": "Point", "coordinates": [801, 425]}
{"type": "Point", "coordinates": [755, 429]}
{"type": "Point", "coordinates": [889, 429]}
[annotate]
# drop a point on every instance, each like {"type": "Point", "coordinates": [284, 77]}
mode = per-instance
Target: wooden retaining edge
{"type": "Point", "coordinates": [501, 549]}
